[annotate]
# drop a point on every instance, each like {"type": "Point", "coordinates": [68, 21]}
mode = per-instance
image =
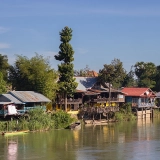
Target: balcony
{"type": "Point", "coordinates": [70, 101]}
{"type": "Point", "coordinates": [105, 100]}
{"type": "Point", "coordinates": [143, 105]}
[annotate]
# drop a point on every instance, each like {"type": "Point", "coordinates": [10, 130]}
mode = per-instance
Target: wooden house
{"type": "Point", "coordinates": [139, 97]}
{"type": "Point", "coordinates": [90, 92]}
{"type": "Point", "coordinates": [22, 101]}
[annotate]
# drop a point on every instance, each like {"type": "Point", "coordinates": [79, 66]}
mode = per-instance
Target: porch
{"type": "Point", "coordinates": [70, 101]}
{"type": "Point", "coordinates": [105, 100]}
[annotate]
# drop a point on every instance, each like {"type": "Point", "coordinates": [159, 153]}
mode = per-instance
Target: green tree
{"type": "Point", "coordinates": [34, 74]}
{"type": "Point", "coordinates": [2, 84]}
{"type": "Point", "coordinates": [4, 66]}
{"type": "Point", "coordinates": [145, 73]}
{"type": "Point", "coordinates": [129, 80]}
{"type": "Point", "coordinates": [157, 79]}
{"type": "Point", "coordinates": [67, 84]}
{"type": "Point", "coordinates": [113, 73]}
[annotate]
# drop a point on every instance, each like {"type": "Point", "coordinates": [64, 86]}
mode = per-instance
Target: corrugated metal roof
{"type": "Point", "coordinates": [85, 83]}
{"type": "Point", "coordinates": [133, 91]}
{"type": "Point", "coordinates": [5, 103]}
{"type": "Point", "coordinates": [9, 98]}
{"type": "Point", "coordinates": [29, 96]}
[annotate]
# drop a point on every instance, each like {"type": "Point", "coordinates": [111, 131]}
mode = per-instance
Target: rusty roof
{"type": "Point", "coordinates": [29, 96]}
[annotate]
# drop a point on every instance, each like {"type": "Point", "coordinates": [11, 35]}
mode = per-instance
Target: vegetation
{"type": "Point", "coordinates": [129, 80]}
{"type": "Point", "coordinates": [82, 72]}
{"type": "Point", "coordinates": [4, 66]}
{"type": "Point", "coordinates": [67, 84]}
{"type": "Point", "coordinates": [145, 73]}
{"type": "Point", "coordinates": [157, 79]}
{"type": "Point", "coordinates": [125, 113]}
{"type": "Point", "coordinates": [61, 119]}
{"type": "Point", "coordinates": [113, 73]}
{"type": "Point", "coordinates": [33, 74]}
{"type": "Point", "coordinates": [38, 120]}
{"type": "Point", "coordinates": [3, 85]}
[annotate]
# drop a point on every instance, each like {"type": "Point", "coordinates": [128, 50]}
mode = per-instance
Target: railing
{"type": "Point", "coordinates": [70, 101]}
{"type": "Point", "coordinates": [21, 111]}
{"type": "Point", "coordinates": [100, 109]}
{"type": "Point", "coordinates": [104, 100]}
{"type": "Point", "coordinates": [26, 109]}
{"type": "Point", "coordinates": [143, 105]}
{"type": "Point", "coordinates": [146, 104]}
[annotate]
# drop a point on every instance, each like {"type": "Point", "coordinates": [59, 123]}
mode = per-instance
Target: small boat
{"type": "Point", "coordinates": [96, 122]}
{"type": "Point", "coordinates": [75, 126]}
{"type": "Point", "coordinates": [88, 121]}
{"type": "Point", "coordinates": [14, 133]}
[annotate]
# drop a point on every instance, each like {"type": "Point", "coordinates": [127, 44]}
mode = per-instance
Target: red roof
{"type": "Point", "coordinates": [138, 92]}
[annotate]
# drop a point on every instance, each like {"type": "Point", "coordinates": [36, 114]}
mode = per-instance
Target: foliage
{"type": "Point", "coordinates": [67, 84]}
{"type": "Point", "coordinates": [3, 88]}
{"type": "Point", "coordinates": [127, 107]}
{"type": "Point", "coordinates": [113, 73]}
{"type": "Point", "coordinates": [120, 116]}
{"type": "Point", "coordinates": [82, 72]}
{"type": "Point", "coordinates": [129, 80]}
{"type": "Point", "coordinates": [3, 126]}
{"type": "Point", "coordinates": [157, 78]}
{"type": "Point", "coordinates": [4, 66]}
{"type": "Point", "coordinates": [33, 74]}
{"type": "Point", "coordinates": [145, 73]}
{"type": "Point", "coordinates": [23, 124]}
{"type": "Point", "coordinates": [39, 120]}
{"type": "Point", "coordinates": [61, 119]}
{"type": "Point", "coordinates": [125, 113]}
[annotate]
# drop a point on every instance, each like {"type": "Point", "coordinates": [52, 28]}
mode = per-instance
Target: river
{"type": "Point", "coordinates": [136, 140]}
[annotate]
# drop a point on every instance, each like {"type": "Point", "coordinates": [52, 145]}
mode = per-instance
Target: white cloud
{"type": "Point", "coordinates": [4, 45]}
{"type": "Point", "coordinates": [3, 30]}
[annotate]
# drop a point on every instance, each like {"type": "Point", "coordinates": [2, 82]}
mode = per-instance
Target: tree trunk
{"type": "Point", "coordinates": [65, 101]}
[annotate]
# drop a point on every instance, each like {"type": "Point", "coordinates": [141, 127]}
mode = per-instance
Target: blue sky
{"type": "Point", "coordinates": [102, 30]}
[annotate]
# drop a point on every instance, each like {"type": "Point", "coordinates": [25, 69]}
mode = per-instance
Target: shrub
{"type": "Point", "coordinates": [61, 119]}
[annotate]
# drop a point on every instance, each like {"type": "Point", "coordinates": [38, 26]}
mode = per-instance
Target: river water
{"type": "Point", "coordinates": [136, 140]}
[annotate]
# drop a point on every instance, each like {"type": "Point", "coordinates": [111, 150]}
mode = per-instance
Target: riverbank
{"type": "Point", "coordinates": [37, 120]}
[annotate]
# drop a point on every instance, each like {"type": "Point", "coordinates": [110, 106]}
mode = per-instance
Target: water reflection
{"type": "Point", "coordinates": [12, 150]}
{"type": "Point", "coordinates": [127, 140]}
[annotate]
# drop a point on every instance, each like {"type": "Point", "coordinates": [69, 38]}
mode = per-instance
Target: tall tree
{"type": "Point", "coordinates": [129, 80]}
{"type": "Point", "coordinates": [145, 73]}
{"type": "Point", "coordinates": [3, 88]}
{"type": "Point", "coordinates": [34, 74]}
{"type": "Point", "coordinates": [4, 66]}
{"type": "Point", "coordinates": [157, 79]}
{"type": "Point", "coordinates": [67, 84]}
{"type": "Point", "coordinates": [113, 73]}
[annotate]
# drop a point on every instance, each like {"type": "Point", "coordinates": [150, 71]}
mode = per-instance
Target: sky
{"type": "Point", "coordinates": [102, 30]}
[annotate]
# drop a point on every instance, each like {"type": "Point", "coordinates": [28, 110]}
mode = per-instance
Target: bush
{"type": "Point", "coordinates": [61, 119]}
{"type": "Point", "coordinates": [39, 120]}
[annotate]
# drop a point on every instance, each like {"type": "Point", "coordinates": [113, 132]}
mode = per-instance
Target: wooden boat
{"type": "Point", "coordinates": [14, 133]}
{"type": "Point", "coordinates": [75, 126]}
{"type": "Point", "coordinates": [96, 122]}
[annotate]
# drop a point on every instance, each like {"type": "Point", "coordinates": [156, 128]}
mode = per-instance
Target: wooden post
{"type": "Point", "coordinates": [109, 94]}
